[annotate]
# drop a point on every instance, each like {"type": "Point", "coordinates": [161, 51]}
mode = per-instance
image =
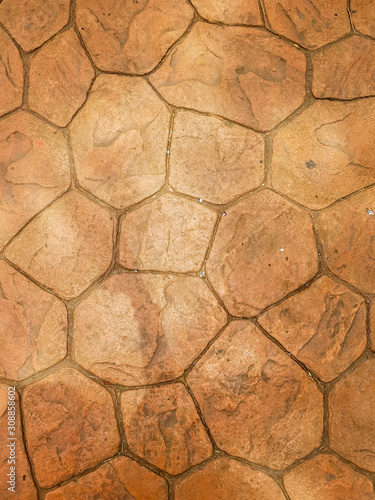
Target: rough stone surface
{"type": "Point", "coordinates": [363, 16]}
{"type": "Point", "coordinates": [11, 75]}
{"type": "Point", "coordinates": [242, 74]}
{"type": "Point", "coordinates": [258, 403]}
{"type": "Point", "coordinates": [372, 324]}
{"type": "Point", "coordinates": [230, 11]}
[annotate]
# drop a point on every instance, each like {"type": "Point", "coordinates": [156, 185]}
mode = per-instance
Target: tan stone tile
{"type": "Point", "coordinates": [363, 16]}
{"type": "Point", "coordinates": [142, 329]}
{"type": "Point", "coordinates": [11, 75]}
{"type": "Point", "coordinates": [119, 140]}
{"type": "Point", "coordinates": [70, 425]}
{"type": "Point", "coordinates": [67, 246]}
{"type": "Point", "coordinates": [242, 74]}
{"type": "Point", "coordinates": [229, 11]}
{"type": "Point", "coordinates": [257, 403]}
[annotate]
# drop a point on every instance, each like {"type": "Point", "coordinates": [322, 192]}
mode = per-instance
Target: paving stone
{"type": "Point", "coordinates": [34, 170]}
{"type": "Point", "coordinates": [119, 140]}
{"type": "Point", "coordinates": [11, 75]}
{"type": "Point", "coordinates": [67, 246]}
{"type": "Point", "coordinates": [229, 11]}
{"type": "Point", "coordinates": [169, 234]}
{"type": "Point", "coordinates": [213, 159]}
{"type": "Point", "coordinates": [363, 16]}
{"type": "Point", "coordinates": [146, 328]}
{"type": "Point", "coordinates": [243, 74]}
{"type": "Point", "coordinates": [131, 36]}
{"type": "Point", "coordinates": [163, 427]}
{"type": "Point", "coordinates": [324, 326]}
{"type": "Point", "coordinates": [60, 77]}
{"type": "Point", "coordinates": [325, 153]}
{"type": "Point", "coordinates": [257, 402]}
{"type": "Point", "coordinates": [70, 425]}
{"type": "Point", "coordinates": [262, 240]}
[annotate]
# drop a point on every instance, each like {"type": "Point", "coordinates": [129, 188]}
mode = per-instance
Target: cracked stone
{"type": "Point", "coordinates": [229, 11]}
{"type": "Point", "coordinates": [363, 16]}
{"type": "Point", "coordinates": [11, 75]}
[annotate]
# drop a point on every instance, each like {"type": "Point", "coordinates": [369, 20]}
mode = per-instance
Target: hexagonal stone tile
{"type": "Point", "coordinates": [213, 159]}
{"type": "Point", "coordinates": [119, 140]}
{"type": "Point", "coordinates": [11, 75]}
{"type": "Point", "coordinates": [60, 77]}
{"type": "Point", "coordinates": [363, 16]}
{"type": "Point", "coordinates": [262, 240]}
{"type": "Point", "coordinates": [324, 326]}
{"type": "Point", "coordinates": [325, 153]}
{"type": "Point", "coordinates": [143, 329]}
{"type": "Point", "coordinates": [169, 234]}
{"type": "Point", "coordinates": [70, 425]}
{"type": "Point", "coordinates": [67, 246]}
{"type": "Point", "coordinates": [163, 427]}
{"type": "Point", "coordinates": [229, 11]}
{"type": "Point", "coordinates": [243, 74]}
{"type": "Point", "coordinates": [131, 37]}
{"type": "Point", "coordinates": [34, 170]}
{"type": "Point", "coordinates": [257, 402]}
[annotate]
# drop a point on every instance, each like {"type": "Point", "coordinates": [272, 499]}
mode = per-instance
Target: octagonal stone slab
{"type": "Point", "coordinates": [363, 16]}
{"type": "Point", "coordinates": [229, 11]}
{"type": "Point", "coordinates": [11, 75]}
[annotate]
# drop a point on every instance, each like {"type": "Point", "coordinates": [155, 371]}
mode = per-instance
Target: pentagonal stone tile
{"type": "Point", "coordinates": [11, 75]}
{"type": "Point", "coordinates": [257, 402]}
{"type": "Point", "coordinates": [32, 22]}
{"type": "Point", "coordinates": [213, 159]}
{"type": "Point", "coordinates": [143, 329]}
{"type": "Point", "coordinates": [169, 234]}
{"type": "Point", "coordinates": [119, 140]}
{"type": "Point", "coordinates": [34, 170]}
{"type": "Point", "coordinates": [264, 249]}
{"type": "Point", "coordinates": [60, 77]}
{"type": "Point", "coordinates": [243, 74]}
{"type": "Point", "coordinates": [163, 427]}
{"type": "Point", "coordinates": [325, 153]}
{"type": "Point", "coordinates": [324, 326]}
{"type": "Point", "coordinates": [363, 16]}
{"type": "Point", "coordinates": [67, 246]}
{"type": "Point", "coordinates": [131, 37]}
{"type": "Point", "coordinates": [229, 11]}
{"type": "Point", "coordinates": [70, 425]}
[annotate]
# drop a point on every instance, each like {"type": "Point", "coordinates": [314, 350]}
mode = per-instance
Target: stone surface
{"type": "Point", "coordinates": [242, 74]}
{"type": "Point", "coordinates": [324, 326]}
{"type": "Point", "coordinates": [257, 402]}
{"type": "Point", "coordinates": [264, 249]}
{"type": "Point", "coordinates": [131, 36]}
{"type": "Point", "coordinates": [169, 234]}
{"type": "Point", "coordinates": [163, 427]}
{"type": "Point", "coordinates": [60, 77]}
{"type": "Point", "coordinates": [363, 16]}
{"type": "Point", "coordinates": [119, 141]}
{"type": "Point", "coordinates": [70, 425]}
{"type": "Point", "coordinates": [11, 75]}
{"type": "Point", "coordinates": [325, 153]}
{"type": "Point", "coordinates": [372, 324]}
{"type": "Point", "coordinates": [142, 329]}
{"type": "Point", "coordinates": [213, 159]}
{"type": "Point", "coordinates": [229, 11]}
{"type": "Point", "coordinates": [67, 246]}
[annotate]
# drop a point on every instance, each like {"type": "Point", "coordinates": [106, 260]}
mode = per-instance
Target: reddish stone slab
{"type": "Point", "coordinates": [363, 16]}
{"type": "Point", "coordinates": [11, 75]}
{"type": "Point", "coordinates": [229, 11]}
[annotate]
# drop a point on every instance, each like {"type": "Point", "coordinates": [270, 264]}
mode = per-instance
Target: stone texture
{"type": "Point", "coordinates": [142, 329]}
{"type": "Point", "coordinates": [257, 403]}
{"type": "Point", "coordinates": [119, 141]}
{"type": "Point", "coordinates": [67, 246]}
{"type": "Point", "coordinates": [129, 36]}
{"type": "Point", "coordinates": [169, 234]}
{"type": "Point", "coordinates": [242, 74]}
{"type": "Point", "coordinates": [324, 326]}
{"type": "Point", "coordinates": [213, 159]}
{"type": "Point", "coordinates": [60, 77]}
{"type": "Point", "coordinates": [229, 11]}
{"type": "Point", "coordinates": [372, 324]}
{"type": "Point", "coordinates": [70, 425]}
{"type": "Point", "coordinates": [34, 170]}
{"type": "Point", "coordinates": [325, 153]}
{"type": "Point", "coordinates": [363, 16]}
{"type": "Point", "coordinates": [11, 75]}
{"type": "Point", "coordinates": [264, 249]}
{"type": "Point", "coordinates": [163, 427]}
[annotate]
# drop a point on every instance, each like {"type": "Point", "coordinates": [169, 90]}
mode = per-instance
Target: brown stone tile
{"type": "Point", "coordinates": [163, 427]}
{"type": "Point", "coordinates": [325, 153]}
{"type": "Point", "coordinates": [257, 402]}
{"type": "Point", "coordinates": [324, 326]}
{"type": "Point", "coordinates": [143, 329]}
{"type": "Point", "coordinates": [67, 246]}
{"type": "Point", "coordinates": [214, 159]}
{"type": "Point", "coordinates": [131, 37]}
{"type": "Point", "coordinates": [70, 425]}
{"type": "Point", "coordinates": [32, 22]}
{"type": "Point", "coordinates": [60, 77]}
{"type": "Point", "coordinates": [229, 11]}
{"type": "Point", "coordinates": [119, 140]}
{"type": "Point", "coordinates": [169, 234]}
{"type": "Point", "coordinates": [263, 250]}
{"type": "Point", "coordinates": [363, 16]}
{"type": "Point", "coordinates": [242, 74]}
{"type": "Point", "coordinates": [11, 75]}
{"type": "Point", "coordinates": [225, 479]}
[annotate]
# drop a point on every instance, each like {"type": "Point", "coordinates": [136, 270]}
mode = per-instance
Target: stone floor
{"type": "Point", "coordinates": [187, 249]}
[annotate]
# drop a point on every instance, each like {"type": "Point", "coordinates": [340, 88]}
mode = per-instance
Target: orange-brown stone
{"type": "Point", "coordinates": [229, 11]}
{"type": "Point", "coordinates": [11, 75]}
{"type": "Point", "coordinates": [363, 16]}
{"type": "Point", "coordinates": [372, 324]}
